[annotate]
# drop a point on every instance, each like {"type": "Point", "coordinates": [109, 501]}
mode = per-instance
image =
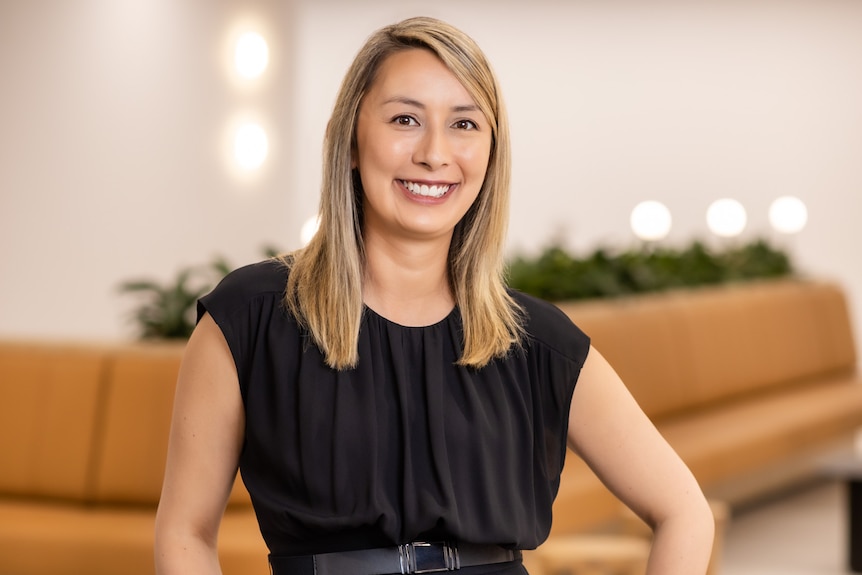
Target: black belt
{"type": "Point", "coordinates": [417, 557]}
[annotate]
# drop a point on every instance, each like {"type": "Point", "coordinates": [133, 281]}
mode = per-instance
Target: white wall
{"type": "Point", "coordinates": [112, 155]}
{"type": "Point", "coordinates": [114, 134]}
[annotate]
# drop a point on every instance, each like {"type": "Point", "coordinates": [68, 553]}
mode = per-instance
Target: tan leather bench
{"type": "Point", "coordinates": [748, 382]}
{"type": "Point", "coordinates": [83, 437]}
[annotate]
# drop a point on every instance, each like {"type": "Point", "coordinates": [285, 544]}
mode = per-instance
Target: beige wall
{"type": "Point", "coordinates": [113, 118]}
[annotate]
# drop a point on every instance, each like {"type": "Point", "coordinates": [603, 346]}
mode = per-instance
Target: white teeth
{"type": "Point", "coordinates": [427, 191]}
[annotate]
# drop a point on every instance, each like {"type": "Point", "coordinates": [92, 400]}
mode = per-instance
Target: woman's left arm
{"type": "Point", "coordinates": [615, 438]}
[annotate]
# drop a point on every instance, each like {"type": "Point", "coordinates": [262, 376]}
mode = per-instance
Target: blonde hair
{"type": "Point", "coordinates": [324, 289]}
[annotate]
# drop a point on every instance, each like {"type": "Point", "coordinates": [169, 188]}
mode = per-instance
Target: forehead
{"type": "Point", "coordinates": [417, 70]}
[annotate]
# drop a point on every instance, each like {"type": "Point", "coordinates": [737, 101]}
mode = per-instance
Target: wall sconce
{"type": "Point", "coordinates": [650, 220]}
{"type": "Point", "coordinates": [251, 55]}
{"type": "Point", "coordinates": [250, 146]}
{"type": "Point", "coordinates": [788, 215]}
{"type": "Point", "coordinates": [309, 228]}
{"type": "Point", "coordinates": [726, 218]}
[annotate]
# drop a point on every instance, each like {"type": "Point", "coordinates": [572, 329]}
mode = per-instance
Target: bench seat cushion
{"type": "Point", "coordinates": [38, 537]}
{"type": "Point", "coordinates": [726, 442]}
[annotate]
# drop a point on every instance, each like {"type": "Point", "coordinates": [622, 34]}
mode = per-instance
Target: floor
{"type": "Point", "coordinates": [801, 533]}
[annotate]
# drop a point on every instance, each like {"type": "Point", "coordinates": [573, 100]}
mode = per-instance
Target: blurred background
{"type": "Point", "coordinates": [119, 122]}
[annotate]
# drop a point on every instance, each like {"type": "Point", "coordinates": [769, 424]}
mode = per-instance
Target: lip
{"type": "Point", "coordinates": [427, 200]}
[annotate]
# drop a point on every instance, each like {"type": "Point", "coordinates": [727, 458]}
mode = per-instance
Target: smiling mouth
{"type": "Point", "coordinates": [435, 191]}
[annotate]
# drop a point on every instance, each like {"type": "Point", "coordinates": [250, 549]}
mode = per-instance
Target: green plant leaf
{"type": "Point", "coordinates": [166, 310]}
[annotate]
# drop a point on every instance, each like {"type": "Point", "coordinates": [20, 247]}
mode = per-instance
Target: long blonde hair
{"type": "Point", "coordinates": [324, 289]}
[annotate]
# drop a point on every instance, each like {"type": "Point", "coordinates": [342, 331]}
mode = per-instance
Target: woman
{"type": "Point", "coordinates": [391, 405]}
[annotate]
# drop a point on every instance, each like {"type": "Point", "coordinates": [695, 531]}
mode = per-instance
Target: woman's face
{"type": "Point", "coordinates": [422, 148]}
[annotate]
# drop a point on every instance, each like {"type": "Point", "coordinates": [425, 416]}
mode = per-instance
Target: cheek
{"type": "Point", "coordinates": [477, 158]}
{"type": "Point", "coordinates": [384, 155]}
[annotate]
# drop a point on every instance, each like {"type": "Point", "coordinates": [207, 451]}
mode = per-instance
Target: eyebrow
{"type": "Point", "coordinates": [417, 104]}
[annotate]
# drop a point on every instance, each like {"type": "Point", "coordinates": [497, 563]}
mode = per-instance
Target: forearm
{"type": "Point", "coordinates": [682, 545]}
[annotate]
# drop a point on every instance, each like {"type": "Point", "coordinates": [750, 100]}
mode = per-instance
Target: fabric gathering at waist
{"type": "Point", "coordinates": [416, 557]}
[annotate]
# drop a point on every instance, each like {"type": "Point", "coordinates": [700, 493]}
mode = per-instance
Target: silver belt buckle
{"type": "Point", "coordinates": [428, 557]}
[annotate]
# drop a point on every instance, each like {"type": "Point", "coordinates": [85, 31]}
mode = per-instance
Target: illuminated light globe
{"type": "Point", "coordinates": [788, 215]}
{"type": "Point", "coordinates": [309, 228]}
{"type": "Point", "coordinates": [650, 220]}
{"type": "Point", "coordinates": [251, 55]}
{"type": "Point", "coordinates": [251, 146]}
{"type": "Point", "coordinates": [726, 218]}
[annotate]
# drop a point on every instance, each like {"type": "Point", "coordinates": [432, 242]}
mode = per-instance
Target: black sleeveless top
{"type": "Point", "coordinates": [408, 445]}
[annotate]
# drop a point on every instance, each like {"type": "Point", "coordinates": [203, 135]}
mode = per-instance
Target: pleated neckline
{"type": "Point", "coordinates": [370, 313]}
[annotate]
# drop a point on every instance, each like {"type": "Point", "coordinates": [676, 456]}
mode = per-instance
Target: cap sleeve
{"type": "Point", "coordinates": [242, 303]}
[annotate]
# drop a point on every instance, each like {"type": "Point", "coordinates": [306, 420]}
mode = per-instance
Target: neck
{"type": "Point", "coordinates": [407, 281]}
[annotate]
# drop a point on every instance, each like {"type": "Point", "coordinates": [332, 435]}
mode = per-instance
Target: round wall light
{"type": "Point", "coordinates": [251, 55]}
{"type": "Point", "coordinates": [726, 218]}
{"type": "Point", "coordinates": [309, 228]}
{"type": "Point", "coordinates": [788, 215]}
{"type": "Point", "coordinates": [250, 146]}
{"type": "Point", "coordinates": [650, 220]}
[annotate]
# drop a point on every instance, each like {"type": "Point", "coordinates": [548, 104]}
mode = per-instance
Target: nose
{"type": "Point", "coordinates": [433, 149]}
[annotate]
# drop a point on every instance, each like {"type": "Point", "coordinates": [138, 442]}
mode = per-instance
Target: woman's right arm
{"type": "Point", "coordinates": [203, 451]}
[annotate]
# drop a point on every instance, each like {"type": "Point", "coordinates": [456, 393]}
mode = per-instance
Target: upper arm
{"type": "Point", "coordinates": [608, 429]}
{"type": "Point", "coordinates": [206, 436]}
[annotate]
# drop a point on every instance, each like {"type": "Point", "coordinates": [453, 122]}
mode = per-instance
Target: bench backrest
{"type": "Point", "coordinates": [687, 349]}
{"type": "Point", "coordinates": [87, 422]}
{"type": "Point", "coordinates": [49, 411]}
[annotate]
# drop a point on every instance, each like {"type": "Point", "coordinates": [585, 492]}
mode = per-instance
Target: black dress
{"type": "Point", "coordinates": [408, 445]}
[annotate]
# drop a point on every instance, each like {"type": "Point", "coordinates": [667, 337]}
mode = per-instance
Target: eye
{"type": "Point", "coordinates": [405, 121]}
{"type": "Point", "coordinates": [465, 125]}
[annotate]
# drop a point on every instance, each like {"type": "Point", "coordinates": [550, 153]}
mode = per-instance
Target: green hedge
{"type": "Point", "coordinates": [556, 275]}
